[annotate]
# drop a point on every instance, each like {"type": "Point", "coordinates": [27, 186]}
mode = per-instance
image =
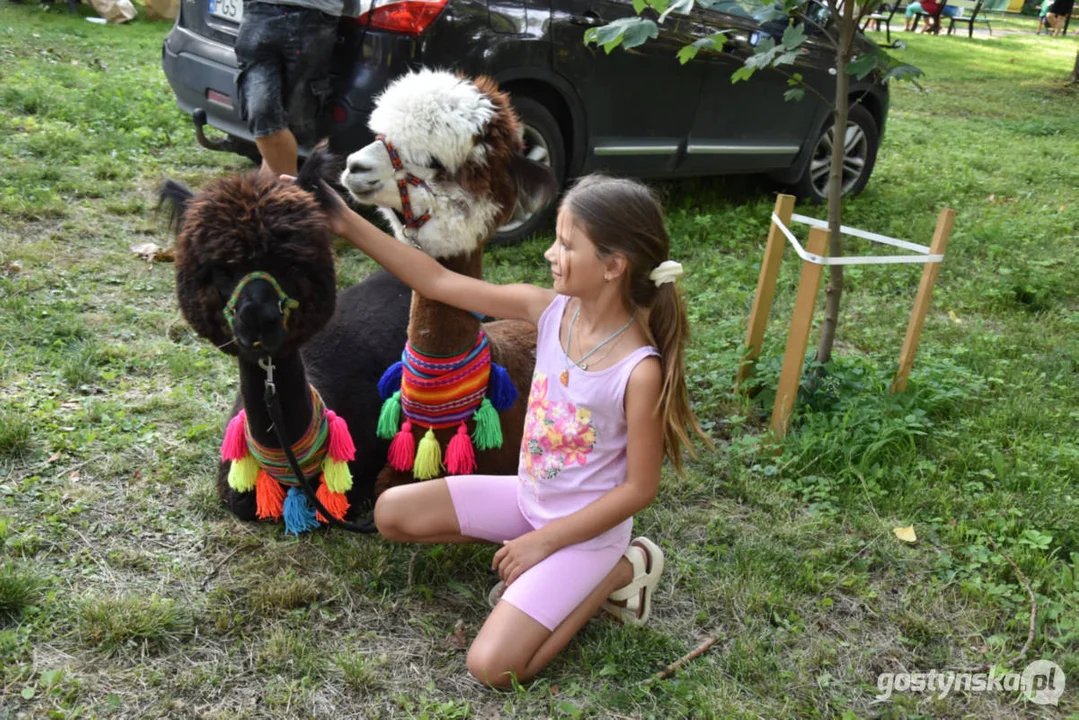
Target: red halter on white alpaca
{"type": "Point", "coordinates": [402, 186]}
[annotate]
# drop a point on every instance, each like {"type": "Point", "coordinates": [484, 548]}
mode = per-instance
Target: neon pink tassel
{"type": "Point", "coordinates": [234, 446]}
{"type": "Point", "coordinates": [403, 448]}
{"type": "Point", "coordinates": [341, 447]}
{"type": "Point", "coordinates": [460, 455]}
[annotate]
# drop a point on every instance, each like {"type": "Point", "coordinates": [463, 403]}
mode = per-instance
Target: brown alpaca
{"type": "Point", "coordinates": [446, 172]}
{"type": "Point", "coordinates": [336, 343]}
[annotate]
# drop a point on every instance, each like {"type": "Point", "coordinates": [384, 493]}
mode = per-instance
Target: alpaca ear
{"type": "Point", "coordinates": [536, 185]}
{"type": "Point", "coordinates": [319, 174]}
{"type": "Point", "coordinates": [176, 197]}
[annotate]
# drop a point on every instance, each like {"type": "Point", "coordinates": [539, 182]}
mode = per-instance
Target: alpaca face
{"type": "Point", "coordinates": [245, 224]}
{"type": "Point", "coordinates": [462, 140]}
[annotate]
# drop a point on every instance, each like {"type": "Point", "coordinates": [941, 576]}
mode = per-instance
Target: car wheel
{"type": "Point", "coordinates": [543, 144]}
{"type": "Point", "coordinates": [860, 153]}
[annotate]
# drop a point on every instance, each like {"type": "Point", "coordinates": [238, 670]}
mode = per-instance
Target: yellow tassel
{"type": "Point", "coordinates": [336, 475]}
{"type": "Point", "coordinates": [243, 473]}
{"type": "Point", "coordinates": [428, 457]}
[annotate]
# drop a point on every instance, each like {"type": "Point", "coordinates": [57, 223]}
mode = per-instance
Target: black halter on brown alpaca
{"type": "Point", "coordinates": [255, 276]}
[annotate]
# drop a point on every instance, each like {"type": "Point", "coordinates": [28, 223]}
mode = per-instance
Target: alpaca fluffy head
{"type": "Point", "coordinates": [247, 223]}
{"type": "Point", "coordinates": [460, 137]}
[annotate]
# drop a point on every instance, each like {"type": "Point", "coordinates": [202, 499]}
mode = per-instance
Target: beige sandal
{"type": "Point", "coordinates": [496, 593]}
{"type": "Point", "coordinates": [638, 593]}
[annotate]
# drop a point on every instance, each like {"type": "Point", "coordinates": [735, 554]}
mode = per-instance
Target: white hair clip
{"type": "Point", "coordinates": [666, 272]}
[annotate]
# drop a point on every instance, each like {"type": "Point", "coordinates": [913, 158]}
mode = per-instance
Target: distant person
{"type": "Point", "coordinates": [928, 8]}
{"type": "Point", "coordinates": [284, 49]}
{"type": "Point", "coordinates": [1057, 15]}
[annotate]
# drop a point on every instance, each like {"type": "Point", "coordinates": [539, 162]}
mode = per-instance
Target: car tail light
{"type": "Point", "coordinates": [408, 17]}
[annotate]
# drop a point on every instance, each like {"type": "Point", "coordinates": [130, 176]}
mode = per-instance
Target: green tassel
{"type": "Point", "coordinates": [243, 474]}
{"type": "Point", "coordinates": [428, 457]}
{"type": "Point", "coordinates": [389, 417]}
{"type": "Point", "coordinates": [488, 432]}
{"type": "Point", "coordinates": [336, 475]}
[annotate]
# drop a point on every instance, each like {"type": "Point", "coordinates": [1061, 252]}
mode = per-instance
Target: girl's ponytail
{"type": "Point", "coordinates": [669, 327]}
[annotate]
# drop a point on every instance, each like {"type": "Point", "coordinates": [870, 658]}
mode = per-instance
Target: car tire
{"type": "Point", "coordinates": [863, 140]}
{"type": "Point", "coordinates": [544, 144]}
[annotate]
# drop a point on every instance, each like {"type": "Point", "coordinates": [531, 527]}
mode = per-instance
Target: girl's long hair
{"type": "Point", "coordinates": [623, 216]}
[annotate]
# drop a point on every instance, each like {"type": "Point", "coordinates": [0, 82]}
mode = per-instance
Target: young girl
{"type": "Point", "coordinates": [608, 402]}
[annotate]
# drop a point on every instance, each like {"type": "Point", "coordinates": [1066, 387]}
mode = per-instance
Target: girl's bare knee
{"type": "Point", "coordinates": [389, 516]}
{"type": "Point", "coordinates": [490, 668]}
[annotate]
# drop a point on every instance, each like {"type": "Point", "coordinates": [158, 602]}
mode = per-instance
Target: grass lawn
{"type": "Point", "coordinates": [127, 591]}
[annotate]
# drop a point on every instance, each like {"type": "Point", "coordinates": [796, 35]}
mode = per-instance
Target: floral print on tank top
{"type": "Point", "coordinates": [557, 434]}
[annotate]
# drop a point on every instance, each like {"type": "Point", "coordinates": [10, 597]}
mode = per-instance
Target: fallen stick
{"type": "Point", "coordinates": [673, 667]}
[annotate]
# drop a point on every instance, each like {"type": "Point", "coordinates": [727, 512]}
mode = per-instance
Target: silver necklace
{"type": "Point", "coordinates": [564, 377]}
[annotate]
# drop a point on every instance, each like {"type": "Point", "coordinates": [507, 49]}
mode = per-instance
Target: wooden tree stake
{"type": "Point", "coordinates": [921, 300]}
{"type": "Point", "coordinates": [766, 289]}
{"type": "Point", "coordinates": [798, 338]}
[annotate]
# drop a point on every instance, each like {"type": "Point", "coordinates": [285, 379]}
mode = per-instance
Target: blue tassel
{"type": "Point", "coordinates": [299, 516]}
{"type": "Point", "coordinates": [390, 382]}
{"type": "Point", "coordinates": [500, 389]}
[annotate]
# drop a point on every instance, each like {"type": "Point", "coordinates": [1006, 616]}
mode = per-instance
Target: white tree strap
{"type": "Point", "coordinates": [925, 257]}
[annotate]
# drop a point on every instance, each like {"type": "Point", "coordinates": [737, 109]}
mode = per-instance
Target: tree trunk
{"type": "Point", "coordinates": [1075, 71]}
{"type": "Point", "coordinates": [834, 291]}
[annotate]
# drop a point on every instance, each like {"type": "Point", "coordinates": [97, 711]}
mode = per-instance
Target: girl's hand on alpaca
{"type": "Point", "coordinates": [338, 213]}
{"type": "Point", "coordinates": [518, 555]}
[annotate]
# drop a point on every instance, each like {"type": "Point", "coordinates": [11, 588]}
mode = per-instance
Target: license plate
{"type": "Point", "coordinates": [228, 9]}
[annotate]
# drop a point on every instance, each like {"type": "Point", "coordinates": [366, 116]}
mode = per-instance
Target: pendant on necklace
{"type": "Point", "coordinates": [564, 377]}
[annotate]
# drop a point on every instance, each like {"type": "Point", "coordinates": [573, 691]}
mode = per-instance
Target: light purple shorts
{"type": "Point", "coordinates": [486, 507]}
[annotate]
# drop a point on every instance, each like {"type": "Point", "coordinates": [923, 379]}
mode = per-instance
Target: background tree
{"type": "Point", "coordinates": [832, 22]}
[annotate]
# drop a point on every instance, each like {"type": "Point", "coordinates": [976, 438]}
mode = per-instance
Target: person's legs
{"type": "Point", "coordinates": [261, 84]}
{"type": "Point", "coordinates": [462, 508]}
{"type": "Point", "coordinates": [307, 61]}
{"type": "Point", "coordinates": [513, 645]}
{"type": "Point", "coordinates": [914, 7]}
{"type": "Point", "coordinates": [279, 152]}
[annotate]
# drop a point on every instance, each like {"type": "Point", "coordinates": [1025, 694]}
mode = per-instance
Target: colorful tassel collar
{"type": "Point", "coordinates": [327, 443]}
{"type": "Point", "coordinates": [439, 392]}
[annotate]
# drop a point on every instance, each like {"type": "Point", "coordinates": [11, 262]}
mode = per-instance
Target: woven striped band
{"type": "Point", "coordinates": [310, 450]}
{"type": "Point", "coordinates": [439, 392]}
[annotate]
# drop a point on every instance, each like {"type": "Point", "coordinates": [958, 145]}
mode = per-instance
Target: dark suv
{"type": "Point", "coordinates": [636, 112]}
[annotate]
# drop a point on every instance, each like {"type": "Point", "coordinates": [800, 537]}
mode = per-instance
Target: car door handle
{"type": "Point", "coordinates": [588, 19]}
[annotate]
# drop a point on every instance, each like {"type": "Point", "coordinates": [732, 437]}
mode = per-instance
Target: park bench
{"type": "Point", "coordinates": [883, 14]}
{"type": "Point", "coordinates": [976, 12]}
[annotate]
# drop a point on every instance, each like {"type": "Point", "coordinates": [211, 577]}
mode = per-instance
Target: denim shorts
{"type": "Point", "coordinates": [284, 55]}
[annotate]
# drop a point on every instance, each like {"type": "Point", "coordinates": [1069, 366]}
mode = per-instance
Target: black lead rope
{"type": "Point", "coordinates": [273, 406]}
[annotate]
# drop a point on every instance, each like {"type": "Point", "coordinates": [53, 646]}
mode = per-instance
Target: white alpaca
{"type": "Point", "coordinates": [463, 141]}
{"type": "Point", "coordinates": [446, 171]}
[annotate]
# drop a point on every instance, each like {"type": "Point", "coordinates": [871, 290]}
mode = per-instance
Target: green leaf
{"type": "Point", "coordinates": [861, 66]}
{"type": "Point", "coordinates": [794, 79]}
{"type": "Point", "coordinates": [27, 693]}
{"type": "Point", "coordinates": [713, 42]}
{"type": "Point", "coordinates": [640, 32]}
{"type": "Point", "coordinates": [639, 6]}
{"type": "Point", "coordinates": [628, 32]}
{"type": "Point", "coordinates": [743, 73]}
{"type": "Point", "coordinates": [795, 94]}
{"type": "Point", "coordinates": [787, 58]}
{"type": "Point", "coordinates": [793, 36]}
{"type": "Point", "coordinates": [568, 708]}
{"type": "Point", "coordinates": [682, 7]}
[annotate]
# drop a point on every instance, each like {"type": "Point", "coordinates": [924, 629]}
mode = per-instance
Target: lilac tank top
{"type": "Point", "coordinates": [573, 450]}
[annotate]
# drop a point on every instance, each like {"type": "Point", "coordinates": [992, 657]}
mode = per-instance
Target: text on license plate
{"type": "Point", "coordinates": [229, 9]}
